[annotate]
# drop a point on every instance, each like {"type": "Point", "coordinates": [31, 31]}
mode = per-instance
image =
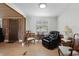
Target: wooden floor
{"type": "Point", "coordinates": [16, 49]}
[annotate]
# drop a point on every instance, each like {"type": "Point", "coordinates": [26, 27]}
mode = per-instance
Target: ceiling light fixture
{"type": "Point", "coordinates": [42, 5]}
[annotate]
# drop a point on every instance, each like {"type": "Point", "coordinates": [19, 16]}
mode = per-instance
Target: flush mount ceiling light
{"type": "Point", "coordinates": [42, 5]}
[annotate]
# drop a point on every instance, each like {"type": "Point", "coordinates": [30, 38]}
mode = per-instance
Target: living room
{"type": "Point", "coordinates": [36, 20]}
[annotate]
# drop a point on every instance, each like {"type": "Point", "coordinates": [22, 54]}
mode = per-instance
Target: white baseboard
{"type": "Point", "coordinates": [6, 40]}
{"type": "Point", "coordinates": [20, 41]}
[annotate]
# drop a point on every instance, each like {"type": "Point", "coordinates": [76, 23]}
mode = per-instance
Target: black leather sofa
{"type": "Point", "coordinates": [52, 40]}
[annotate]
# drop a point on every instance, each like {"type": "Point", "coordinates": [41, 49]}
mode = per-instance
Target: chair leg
{"type": "Point", "coordinates": [59, 51]}
{"type": "Point", "coordinates": [34, 41]}
{"type": "Point", "coordinates": [28, 43]}
{"type": "Point", "coordinates": [24, 53]}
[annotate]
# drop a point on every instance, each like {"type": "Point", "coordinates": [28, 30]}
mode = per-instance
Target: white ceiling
{"type": "Point", "coordinates": [32, 9]}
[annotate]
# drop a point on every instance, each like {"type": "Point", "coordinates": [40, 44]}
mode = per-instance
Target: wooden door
{"type": "Point", "coordinates": [13, 30]}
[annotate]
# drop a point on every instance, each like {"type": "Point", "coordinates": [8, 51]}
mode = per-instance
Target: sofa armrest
{"type": "Point", "coordinates": [46, 40]}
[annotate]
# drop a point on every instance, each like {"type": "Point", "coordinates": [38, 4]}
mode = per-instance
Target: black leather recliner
{"type": "Point", "coordinates": [52, 40]}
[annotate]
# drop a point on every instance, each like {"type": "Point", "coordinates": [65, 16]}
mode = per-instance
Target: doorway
{"type": "Point", "coordinates": [13, 30]}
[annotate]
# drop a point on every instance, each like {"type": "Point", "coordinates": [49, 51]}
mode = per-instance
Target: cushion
{"type": "Point", "coordinates": [31, 38]}
{"type": "Point", "coordinates": [66, 52]}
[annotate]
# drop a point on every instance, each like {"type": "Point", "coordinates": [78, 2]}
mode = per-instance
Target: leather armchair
{"type": "Point", "coordinates": [52, 40]}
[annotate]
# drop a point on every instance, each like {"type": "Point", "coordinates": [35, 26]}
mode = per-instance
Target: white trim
{"type": "Point", "coordinates": [6, 40]}
{"type": "Point", "coordinates": [20, 40]}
